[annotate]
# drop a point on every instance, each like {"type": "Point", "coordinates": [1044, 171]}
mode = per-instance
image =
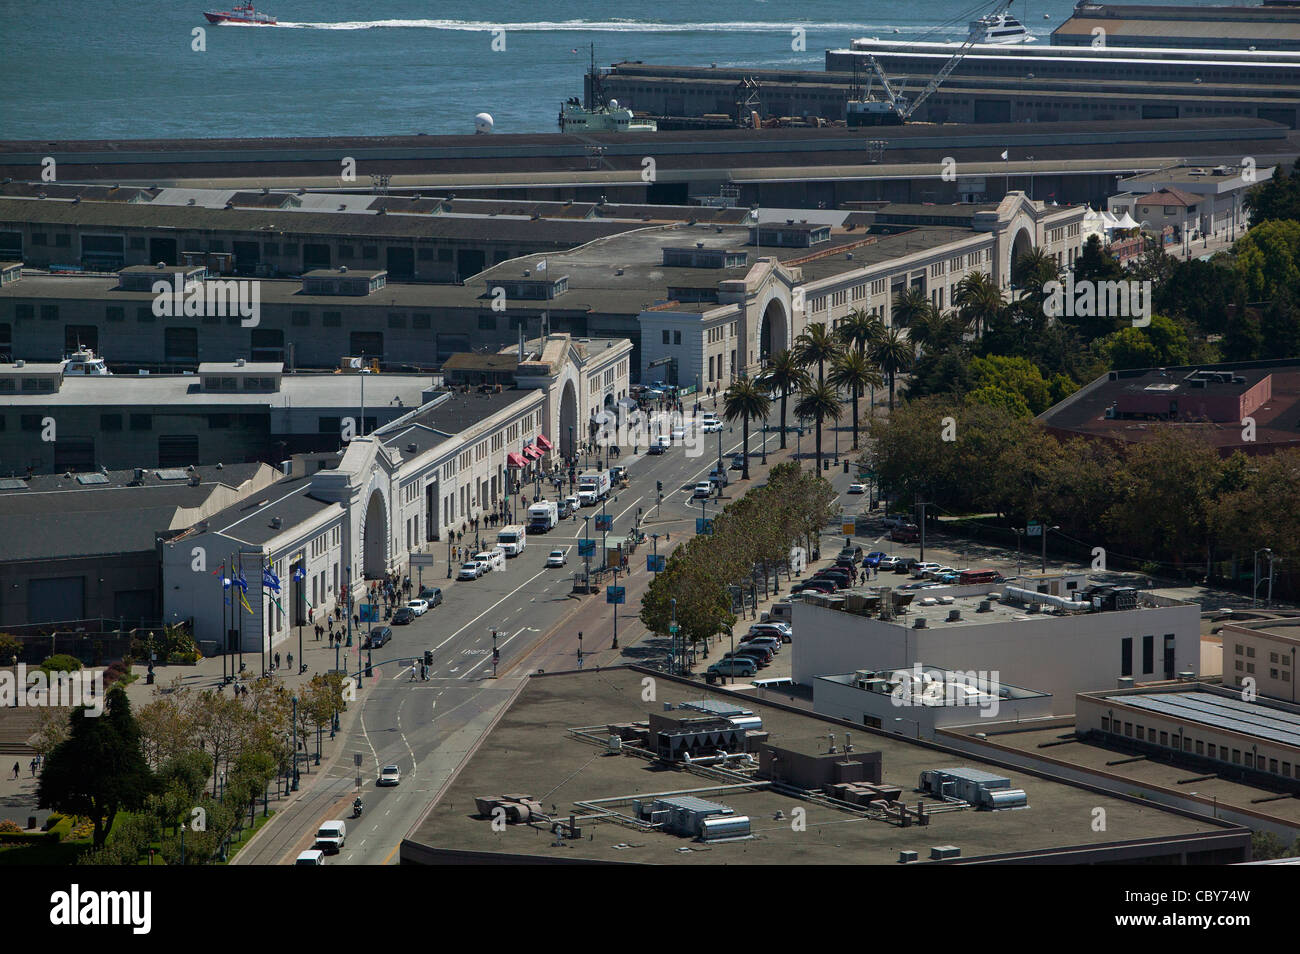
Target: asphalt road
{"type": "Point", "coordinates": [427, 727]}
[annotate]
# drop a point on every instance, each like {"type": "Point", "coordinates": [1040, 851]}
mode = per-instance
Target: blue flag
{"type": "Point", "coordinates": [299, 573]}
{"type": "Point", "coordinates": [270, 580]}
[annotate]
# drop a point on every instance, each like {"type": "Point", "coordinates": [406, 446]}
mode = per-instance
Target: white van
{"type": "Point", "coordinates": [494, 559]}
{"type": "Point", "coordinates": [513, 539]}
{"type": "Point", "coordinates": [779, 613]}
{"type": "Point", "coordinates": [312, 856]}
{"type": "Point", "coordinates": [331, 836]}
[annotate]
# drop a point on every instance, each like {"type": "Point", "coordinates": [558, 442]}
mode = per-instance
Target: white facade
{"type": "Point", "coordinates": [1057, 654]}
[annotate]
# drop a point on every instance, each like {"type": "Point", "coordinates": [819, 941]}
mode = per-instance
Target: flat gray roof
{"type": "Point", "coordinates": [530, 750]}
{"type": "Point", "coordinates": [296, 391]}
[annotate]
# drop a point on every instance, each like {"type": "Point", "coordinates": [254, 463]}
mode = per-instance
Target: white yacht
{"type": "Point", "coordinates": [574, 117]}
{"type": "Point", "coordinates": [84, 361]}
{"type": "Point", "coordinates": [1000, 28]}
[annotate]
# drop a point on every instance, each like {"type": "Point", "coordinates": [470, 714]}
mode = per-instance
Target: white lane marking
{"type": "Point", "coordinates": [499, 645]}
{"type": "Point", "coordinates": [488, 610]}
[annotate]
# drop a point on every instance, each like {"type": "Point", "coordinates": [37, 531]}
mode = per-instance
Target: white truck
{"type": "Point", "coordinates": [593, 487]}
{"type": "Point", "coordinates": [513, 539]}
{"type": "Point", "coordinates": [494, 559]}
{"type": "Point", "coordinates": [543, 516]}
{"type": "Point", "coordinates": [331, 836]}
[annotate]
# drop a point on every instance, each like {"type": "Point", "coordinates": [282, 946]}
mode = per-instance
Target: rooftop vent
{"type": "Point", "coordinates": [954, 616]}
{"type": "Point", "coordinates": [919, 623]}
{"type": "Point", "coordinates": [276, 523]}
{"type": "Point", "coordinates": [986, 606]}
{"type": "Point", "coordinates": [411, 447]}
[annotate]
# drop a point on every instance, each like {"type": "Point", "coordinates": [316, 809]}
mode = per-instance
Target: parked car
{"type": "Point", "coordinates": [921, 569]}
{"type": "Point", "coordinates": [734, 667]}
{"type": "Point", "coordinates": [761, 660]}
{"type": "Point", "coordinates": [418, 606]}
{"type": "Point", "coordinates": [935, 572]}
{"type": "Point", "coordinates": [557, 558]}
{"type": "Point", "coordinates": [432, 594]}
{"type": "Point", "coordinates": [781, 631]}
{"type": "Point", "coordinates": [471, 570]}
{"type": "Point", "coordinates": [874, 558]}
{"type": "Point", "coordinates": [952, 577]}
{"type": "Point", "coordinates": [813, 586]}
{"type": "Point", "coordinates": [857, 488]}
{"type": "Point", "coordinates": [887, 562]}
{"type": "Point", "coordinates": [770, 642]}
{"type": "Point", "coordinates": [711, 426]}
{"type": "Point", "coordinates": [718, 475]}
{"type": "Point", "coordinates": [389, 775]}
{"type": "Point", "coordinates": [403, 616]}
{"type": "Point", "coordinates": [738, 462]}
{"type": "Point", "coordinates": [904, 566]}
{"type": "Point", "coordinates": [897, 520]}
{"type": "Point", "coordinates": [379, 635]}
{"type": "Point", "coordinates": [904, 535]}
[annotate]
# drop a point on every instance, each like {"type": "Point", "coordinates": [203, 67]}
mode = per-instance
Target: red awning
{"type": "Point", "coordinates": [514, 460]}
{"type": "Point", "coordinates": [532, 453]}
{"type": "Point", "coordinates": [543, 443]}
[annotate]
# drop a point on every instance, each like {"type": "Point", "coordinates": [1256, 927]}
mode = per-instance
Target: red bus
{"type": "Point", "coordinates": [980, 576]}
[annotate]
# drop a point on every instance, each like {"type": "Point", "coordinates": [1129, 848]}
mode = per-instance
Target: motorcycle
{"type": "Point", "coordinates": [356, 808]}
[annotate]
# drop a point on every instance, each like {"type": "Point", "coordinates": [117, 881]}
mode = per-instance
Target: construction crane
{"type": "Point", "coordinates": [895, 109]}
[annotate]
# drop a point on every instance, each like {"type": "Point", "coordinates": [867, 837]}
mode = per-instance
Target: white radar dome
{"type": "Point", "coordinates": [483, 123]}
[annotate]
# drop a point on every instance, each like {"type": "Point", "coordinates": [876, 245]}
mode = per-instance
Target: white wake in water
{"type": "Point", "coordinates": [586, 26]}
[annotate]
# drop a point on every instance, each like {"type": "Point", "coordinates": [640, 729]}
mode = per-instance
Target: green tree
{"type": "Point", "coordinates": [995, 395]}
{"type": "Point", "coordinates": [1275, 198]}
{"type": "Point", "coordinates": [745, 401]}
{"type": "Point", "coordinates": [819, 404]}
{"type": "Point", "coordinates": [100, 769]}
{"type": "Point", "coordinates": [785, 374]}
{"type": "Point", "coordinates": [1096, 264]}
{"type": "Point", "coordinates": [893, 354]}
{"type": "Point", "coordinates": [1279, 327]}
{"type": "Point", "coordinates": [854, 371]}
{"type": "Point", "coordinates": [816, 346]}
{"type": "Point", "coordinates": [1018, 376]}
{"type": "Point", "coordinates": [978, 299]}
{"type": "Point", "coordinates": [909, 305]}
{"type": "Point", "coordinates": [1161, 343]}
{"type": "Point", "coordinates": [1243, 341]}
{"type": "Point", "coordinates": [1268, 257]}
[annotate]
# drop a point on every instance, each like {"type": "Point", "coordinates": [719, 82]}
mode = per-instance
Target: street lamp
{"type": "Point", "coordinates": [1254, 581]}
{"type": "Point", "coordinates": [1046, 530]}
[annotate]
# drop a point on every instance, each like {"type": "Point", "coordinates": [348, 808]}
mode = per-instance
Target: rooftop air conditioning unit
{"type": "Point", "coordinates": [919, 623]}
{"type": "Point", "coordinates": [954, 616]}
{"type": "Point", "coordinates": [986, 606]}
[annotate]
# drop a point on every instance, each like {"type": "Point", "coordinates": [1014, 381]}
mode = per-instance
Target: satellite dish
{"type": "Point", "coordinates": [483, 124]}
{"type": "Point", "coordinates": [613, 104]}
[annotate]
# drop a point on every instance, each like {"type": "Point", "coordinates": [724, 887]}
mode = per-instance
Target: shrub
{"type": "Point", "coordinates": [9, 646]}
{"type": "Point", "coordinates": [61, 663]}
{"type": "Point", "coordinates": [10, 826]}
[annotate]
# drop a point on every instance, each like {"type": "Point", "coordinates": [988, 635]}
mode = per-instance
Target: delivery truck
{"type": "Point", "coordinates": [513, 539]}
{"type": "Point", "coordinates": [593, 486]}
{"type": "Point", "coordinates": [543, 516]}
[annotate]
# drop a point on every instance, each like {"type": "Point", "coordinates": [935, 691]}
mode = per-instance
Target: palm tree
{"type": "Point", "coordinates": [746, 400]}
{"type": "Point", "coordinates": [893, 353]}
{"type": "Point", "coordinates": [909, 304]}
{"type": "Point", "coordinates": [860, 329]}
{"type": "Point", "coordinates": [785, 372]}
{"type": "Point", "coordinates": [819, 403]}
{"type": "Point", "coordinates": [854, 370]}
{"type": "Point", "coordinates": [1032, 270]}
{"type": "Point", "coordinates": [928, 329]}
{"type": "Point", "coordinates": [978, 299]}
{"type": "Point", "coordinates": [816, 346]}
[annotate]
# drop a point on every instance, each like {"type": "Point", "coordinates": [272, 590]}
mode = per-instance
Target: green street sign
{"type": "Point", "coordinates": [672, 629]}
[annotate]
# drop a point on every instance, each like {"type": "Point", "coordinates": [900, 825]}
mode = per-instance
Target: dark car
{"type": "Point", "coordinates": [379, 635]}
{"type": "Point", "coordinates": [817, 586]}
{"type": "Point", "coordinates": [431, 593]}
{"type": "Point", "coordinates": [563, 509]}
{"type": "Point", "coordinates": [403, 616]}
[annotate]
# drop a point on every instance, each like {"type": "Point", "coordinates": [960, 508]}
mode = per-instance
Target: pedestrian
{"type": "Point", "coordinates": [33, 768]}
{"type": "Point", "coordinates": [15, 770]}
{"type": "Point", "coordinates": [291, 660]}
{"type": "Point", "coordinates": [277, 660]}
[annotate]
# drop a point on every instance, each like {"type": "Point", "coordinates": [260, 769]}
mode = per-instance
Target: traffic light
{"type": "Point", "coordinates": [428, 657]}
{"type": "Point", "coordinates": [496, 656]}
{"type": "Point", "coordinates": [659, 486]}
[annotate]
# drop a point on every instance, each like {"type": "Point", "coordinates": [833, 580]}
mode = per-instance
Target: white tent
{"type": "Point", "coordinates": [1108, 221]}
{"type": "Point", "coordinates": [1126, 222]}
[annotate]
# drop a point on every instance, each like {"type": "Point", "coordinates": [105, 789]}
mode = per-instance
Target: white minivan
{"type": "Point", "coordinates": [312, 856]}
{"type": "Point", "coordinates": [331, 836]}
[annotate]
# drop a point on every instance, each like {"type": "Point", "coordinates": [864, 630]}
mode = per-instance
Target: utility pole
{"type": "Point", "coordinates": [921, 505]}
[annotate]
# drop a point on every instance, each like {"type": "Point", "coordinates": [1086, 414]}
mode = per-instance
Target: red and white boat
{"type": "Point", "coordinates": [243, 13]}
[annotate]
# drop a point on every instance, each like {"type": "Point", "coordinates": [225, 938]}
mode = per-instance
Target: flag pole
{"type": "Point", "coordinates": [225, 637]}
{"type": "Point", "coordinates": [238, 614]}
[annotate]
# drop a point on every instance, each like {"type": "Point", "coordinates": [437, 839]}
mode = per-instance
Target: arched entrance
{"type": "Point", "coordinates": [1020, 245]}
{"type": "Point", "coordinates": [374, 538]}
{"type": "Point", "coordinates": [568, 435]}
{"type": "Point", "coordinates": [773, 334]}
